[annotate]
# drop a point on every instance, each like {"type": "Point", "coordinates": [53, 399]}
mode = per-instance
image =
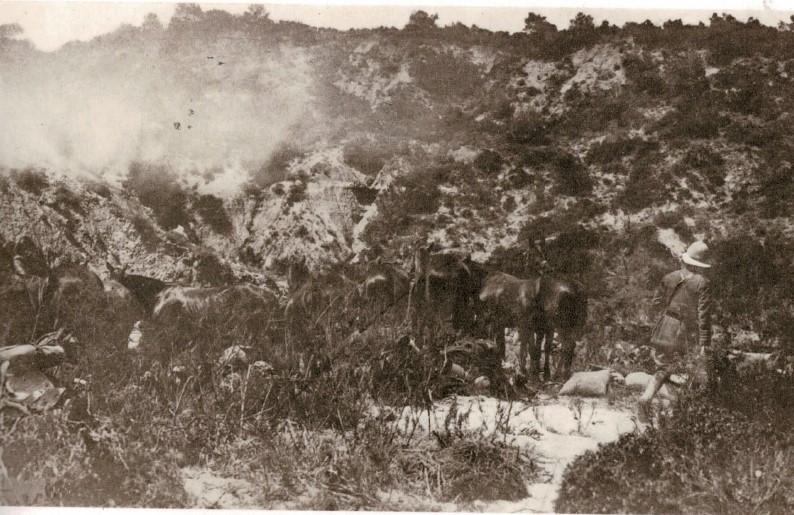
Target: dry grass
{"type": "Point", "coordinates": [299, 428]}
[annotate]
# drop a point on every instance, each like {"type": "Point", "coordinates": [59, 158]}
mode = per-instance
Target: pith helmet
{"type": "Point", "coordinates": [697, 255]}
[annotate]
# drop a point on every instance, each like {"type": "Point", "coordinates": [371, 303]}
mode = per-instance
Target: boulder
{"type": "Point", "coordinates": [482, 385]}
{"type": "Point", "coordinates": [456, 370]}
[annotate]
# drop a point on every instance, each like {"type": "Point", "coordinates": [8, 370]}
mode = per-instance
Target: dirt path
{"type": "Point", "coordinates": [556, 430]}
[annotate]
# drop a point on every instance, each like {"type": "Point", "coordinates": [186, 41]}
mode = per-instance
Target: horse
{"type": "Point", "coordinates": [303, 305]}
{"type": "Point", "coordinates": [145, 290]}
{"type": "Point", "coordinates": [537, 307]}
{"type": "Point", "coordinates": [443, 284]}
{"type": "Point", "coordinates": [384, 284]}
{"type": "Point", "coordinates": [165, 303]}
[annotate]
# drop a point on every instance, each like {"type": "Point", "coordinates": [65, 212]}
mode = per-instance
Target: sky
{"type": "Point", "coordinates": [51, 24]}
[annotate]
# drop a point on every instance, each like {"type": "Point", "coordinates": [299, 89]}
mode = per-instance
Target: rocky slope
{"type": "Point", "coordinates": [262, 142]}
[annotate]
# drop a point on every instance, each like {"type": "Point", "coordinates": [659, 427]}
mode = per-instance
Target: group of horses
{"type": "Point", "coordinates": [41, 292]}
{"type": "Point", "coordinates": [452, 288]}
{"type": "Point", "coordinates": [437, 286]}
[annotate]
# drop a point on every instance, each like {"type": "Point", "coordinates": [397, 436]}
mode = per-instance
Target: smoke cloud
{"type": "Point", "coordinates": [209, 112]}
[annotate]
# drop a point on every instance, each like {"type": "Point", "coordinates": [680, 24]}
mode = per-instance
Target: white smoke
{"type": "Point", "coordinates": [94, 109]}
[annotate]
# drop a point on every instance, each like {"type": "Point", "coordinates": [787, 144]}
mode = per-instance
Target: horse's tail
{"type": "Point", "coordinates": [572, 309]}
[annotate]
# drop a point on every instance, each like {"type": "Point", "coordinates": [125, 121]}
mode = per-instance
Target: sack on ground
{"type": "Point", "coordinates": [587, 384]}
{"type": "Point", "coordinates": [639, 381]}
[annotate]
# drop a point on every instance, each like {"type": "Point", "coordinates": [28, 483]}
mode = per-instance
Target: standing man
{"type": "Point", "coordinates": [683, 335]}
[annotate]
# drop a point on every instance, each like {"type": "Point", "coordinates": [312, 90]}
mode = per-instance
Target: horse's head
{"type": "Point", "coordinates": [117, 272]}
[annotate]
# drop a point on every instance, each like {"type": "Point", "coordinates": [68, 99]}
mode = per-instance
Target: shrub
{"type": "Point", "coordinates": [746, 133]}
{"type": "Point", "coordinates": [157, 189]}
{"type": "Point", "coordinates": [646, 185]}
{"type": "Point", "coordinates": [608, 151]}
{"type": "Point", "coordinates": [755, 285]}
{"type": "Point", "coordinates": [709, 163]}
{"type": "Point", "coordinates": [594, 112]}
{"type": "Point", "coordinates": [31, 180]}
{"type": "Point", "coordinates": [368, 157]}
{"type": "Point", "coordinates": [528, 128]}
{"type": "Point", "coordinates": [572, 177]}
{"type": "Point", "coordinates": [100, 188]}
{"type": "Point", "coordinates": [297, 193]}
{"type": "Point", "coordinates": [776, 188]}
{"type": "Point", "coordinates": [722, 451]}
{"type": "Point", "coordinates": [442, 74]}
{"type": "Point", "coordinates": [147, 232]}
{"type": "Point", "coordinates": [213, 213]}
{"type": "Point", "coordinates": [421, 195]}
{"type": "Point", "coordinates": [644, 75]}
{"type": "Point", "coordinates": [692, 122]}
{"type": "Point", "coordinates": [489, 161]}
{"type": "Point", "coordinates": [674, 220]}
{"type": "Point", "coordinates": [483, 470]}
{"type": "Point", "coordinates": [275, 169]}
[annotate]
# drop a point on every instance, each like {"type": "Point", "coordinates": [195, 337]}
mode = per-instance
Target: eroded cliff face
{"type": "Point", "coordinates": [311, 214]}
{"type": "Point", "coordinates": [318, 145]}
{"type": "Point", "coordinates": [84, 220]}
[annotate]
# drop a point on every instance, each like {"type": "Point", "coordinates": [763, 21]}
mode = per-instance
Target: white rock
{"type": "Point", "coordinates": [482, 384]}
{"type": "Point", "coordinates": [135, 337]}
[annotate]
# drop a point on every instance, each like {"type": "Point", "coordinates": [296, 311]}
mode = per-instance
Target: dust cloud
{"type": "Point", "coordinates": [212, 113]}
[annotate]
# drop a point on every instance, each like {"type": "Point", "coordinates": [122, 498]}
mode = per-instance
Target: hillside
{"type": "Point", "coordinates": [238, 146]}
{"type": "Point", "coordinates": [268, 141]}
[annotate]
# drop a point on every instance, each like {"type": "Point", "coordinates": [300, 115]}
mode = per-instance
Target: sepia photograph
{"type": "Point", "coordinates": [397, 258]}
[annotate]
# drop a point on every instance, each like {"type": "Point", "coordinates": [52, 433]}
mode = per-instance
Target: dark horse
{"type": "Point", "coordinates": [444, 286]}
{"type": "Point", "coordinates": [538, 306]}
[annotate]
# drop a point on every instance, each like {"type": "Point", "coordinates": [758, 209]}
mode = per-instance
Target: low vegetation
{"type": "Point", "coordinates": [135, 419]}
{"type": "Point", "coordinates": [723, 451]}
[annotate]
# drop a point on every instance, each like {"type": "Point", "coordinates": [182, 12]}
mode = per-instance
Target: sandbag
{"type": "Point", "coordinates": [587, 384]}
{"type": "Point", "coordinates": [639, 381]}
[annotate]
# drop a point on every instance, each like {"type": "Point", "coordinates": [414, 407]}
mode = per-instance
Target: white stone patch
{"type": "Point", "coordinates": [464, 154]}
{"type": "Point", "coordinates": [556, 431]}
{"type": "Point", "coordinates": [596, 69]}
{"type": "Point", "coordinates": [207, 490]}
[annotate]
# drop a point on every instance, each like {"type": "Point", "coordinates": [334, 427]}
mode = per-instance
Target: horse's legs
{"type": "Point", "coordinates": [548, 346]}
{"type": "Point", "coordinates": [412, 315]}
{"type": "Point", "coordinates": [411, 288]}
{"type": "Point", "coordinates": [526, 334]}
{"type": "Point", "coordinates": [568, 347]}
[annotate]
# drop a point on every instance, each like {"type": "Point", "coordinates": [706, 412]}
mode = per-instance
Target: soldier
{"type": "Point", "coordinates": [683, 334]}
